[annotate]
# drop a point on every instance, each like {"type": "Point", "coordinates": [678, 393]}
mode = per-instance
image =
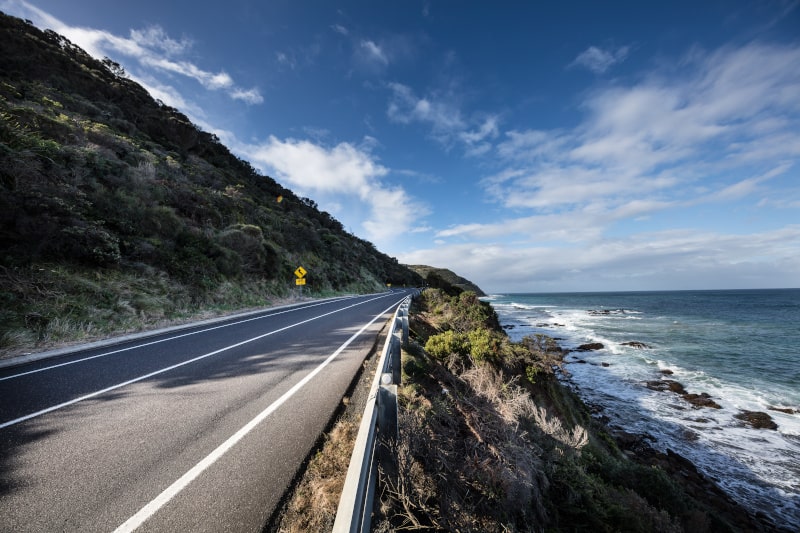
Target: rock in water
{"type": "Point", "coordinates": [589, 347]}
{"type": "Point", "coordinates": [757, 419]}
{"type": "Point", "coordinates": [701, 400]}
{"type": "Point", "coordinates": [638, 345]}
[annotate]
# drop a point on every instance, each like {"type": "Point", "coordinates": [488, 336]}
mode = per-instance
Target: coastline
{"type": "Point", "coordinates": [681, 470]}
{"type": "Point", "coordinates": [635, 435]}
{"type": "Point", "coordinates": [694, 482]}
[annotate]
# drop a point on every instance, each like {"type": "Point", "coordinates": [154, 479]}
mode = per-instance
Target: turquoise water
{"type": "Point", "coordinates": [742, 347]}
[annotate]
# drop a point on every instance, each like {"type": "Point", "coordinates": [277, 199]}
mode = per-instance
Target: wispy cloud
{"type": "Point", "coordinates": [287, 59]}
{"type": "Point", "coordinates": [674, 259]}
{"type": "Point", "coordinates": [372, 53]}
{"type": "Point", "coordinates": [406, 107]}
{"type": "Point", "coordinates": [717, 129]}
{"type": "Point", "coordinates": [248, 96]}
{"type": "Point", "coordinates": [341, 30]}
{"type": "Point", "coordinates": [151, 48]}
{"type": "Point", "coordinates": [447, 124]}
{"type": "Point", "coordinates": [156, 38]}
{"type": "Point", "coordinates": [658, 138]}
{"type": "Point", "coordinates": [599, 60]}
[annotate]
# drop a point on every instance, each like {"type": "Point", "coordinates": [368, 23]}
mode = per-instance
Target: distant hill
{"type": "Point", "coordinates": [116, 211]}
{"type": "Point", "coordinates": [442, 278]}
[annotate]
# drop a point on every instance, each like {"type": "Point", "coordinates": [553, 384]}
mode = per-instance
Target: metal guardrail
{"type": "Point", "coordinates": [380, 419]}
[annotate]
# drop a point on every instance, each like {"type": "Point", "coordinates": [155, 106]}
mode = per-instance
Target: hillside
{"type": "Point", "coordinates": [118, 213]}
{"type": "Point", "coordinates": [447, 280]}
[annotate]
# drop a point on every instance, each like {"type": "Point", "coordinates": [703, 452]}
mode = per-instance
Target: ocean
{"type": "Point", "coordinates": [741, 347]}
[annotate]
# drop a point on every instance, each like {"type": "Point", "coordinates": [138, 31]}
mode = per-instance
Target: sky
{"type": "Point", "coordinates": [527, 146]}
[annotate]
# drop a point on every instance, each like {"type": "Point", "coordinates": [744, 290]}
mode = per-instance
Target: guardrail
{"type": "Point", "coordinates": [354, 513]}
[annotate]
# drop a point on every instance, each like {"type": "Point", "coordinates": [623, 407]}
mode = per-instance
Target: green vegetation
{"type": "Point", "coordinates": [491, 441]}
{"type": "Point", "coordinates": [447, 280]}
{"type": "Point", "coordinates": [118, 213]}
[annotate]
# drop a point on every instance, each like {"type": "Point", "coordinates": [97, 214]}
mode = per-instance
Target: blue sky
{"type": "Point", "coordinates": [528, 146]}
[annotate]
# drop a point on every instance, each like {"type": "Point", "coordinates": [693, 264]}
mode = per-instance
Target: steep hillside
{"type": "Point", "coordinates": [117, 212]}
{"type": "Point", "coordinates": [447, 280]}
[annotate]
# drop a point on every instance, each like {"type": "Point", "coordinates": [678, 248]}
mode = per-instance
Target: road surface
{"type": "Point", "coordinates": [197, 430]}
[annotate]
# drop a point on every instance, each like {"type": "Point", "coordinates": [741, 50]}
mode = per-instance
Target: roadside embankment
{"type": "Point", "coordinates": [490, 440]}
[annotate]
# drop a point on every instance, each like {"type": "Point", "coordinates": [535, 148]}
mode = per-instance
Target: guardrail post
{"type": "Point", "coordinates": [396, 362]}
{"type": "Point", "coordinates": [405, 328]}
{"type": "Point", "coordinates": [387, 411]}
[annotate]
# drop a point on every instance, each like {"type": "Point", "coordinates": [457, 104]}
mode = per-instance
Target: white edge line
{"type": "Point", "coordinates": [173, 490]}
{"type": "Point", "coordinates": [167, 369]}
{"type": "Point", "coordinates": [204, 330]}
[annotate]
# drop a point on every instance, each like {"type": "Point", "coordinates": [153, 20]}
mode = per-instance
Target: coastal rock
{"type": "Point", "coordinates": [605, 312]}
{"type": "Point", "coordinates": [675, 386]}
{"type": "Point", "coordinates": [701, 487]}
{"type": "Point", "coordinates": [667, 372]}
{"type": "Point", "coordinates": [787, 410]}
{"type": "Point", "coordinates": [701, 400]}
{"type": "Point", "coordinates": [757, 419]}
{"type": "Point", "coordinates": [638, 345]}
{"type": "Point", "coordinates": [665, 385]}
{"type": "Point", "coordinates": [590, 346]}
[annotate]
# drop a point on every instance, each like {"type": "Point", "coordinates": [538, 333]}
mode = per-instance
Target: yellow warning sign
{"type": "Point", "coordinates": [300, 273]}
{"type": "Point", "coordinates": [300, 281]}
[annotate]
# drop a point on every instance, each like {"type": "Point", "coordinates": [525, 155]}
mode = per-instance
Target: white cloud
{"type": "Point", "coordinates": [478, 141]}
{"type": "Point", "coordinates": [249, 96]}
{"type": "Point", "coordinates": [151, 48]}
{"type": "Point", "coordinates": [374, 52]}
{"type": "Point", "coordinates": [717, 130]}
{"type": "Point", "coordinates": [341, 30]}
{"type": "Point", "coordinates": [342, 168]}
{"type": "Point", "coordinates": [598, 60]}
{"type": "Point", "coordinates": [156, 38]}
{"type": "Point", "coordinates": [722, 118]}
{"type": "Point", "coordinates": [675, 259]}
{"type": "Point", "coordinates": [448, 125]}
{"type": "Point", "coordinates": [343, 174]}
{"type": "Point", "coordinates": [405, 107]}
{"type": "Point", "coordinates": [286, 59]}
{"type": "Point", "coordinates": [372, 55]}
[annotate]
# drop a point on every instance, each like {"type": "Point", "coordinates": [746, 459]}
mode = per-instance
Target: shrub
{"type": "Point", "coordinates": [247, 241]}
{"type": "Point", "coordinates": [445, 344]}
{"type": "Point", "coordinates": [483, 345]}
{"type": "Point", "coordinates": [89, 244]}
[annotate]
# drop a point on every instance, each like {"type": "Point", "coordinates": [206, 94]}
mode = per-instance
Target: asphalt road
{"type": "Point", "coordinates": [197, 430]}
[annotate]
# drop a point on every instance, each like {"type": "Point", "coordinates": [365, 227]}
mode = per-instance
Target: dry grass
{"type": "Point", "coordinates": [316, 498]}
{"type": "Point", "coordinates": [466, 460]}
{"type": "Point", "coordinates": [312, 502]}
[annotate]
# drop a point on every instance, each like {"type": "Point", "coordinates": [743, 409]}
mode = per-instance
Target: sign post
{"type": "Point", "coordinates": [300, 273]}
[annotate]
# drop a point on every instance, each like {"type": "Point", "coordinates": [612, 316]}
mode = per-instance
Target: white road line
{"type": "Point", "coordinates": [173, 490]}
{"type": "Point", "coordinates": [167, 369]}
{"type": "Point", "coordinates": [104, 354]}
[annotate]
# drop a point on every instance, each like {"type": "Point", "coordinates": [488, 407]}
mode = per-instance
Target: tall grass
{"type": "Point", "coordinates": [48, 305]}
